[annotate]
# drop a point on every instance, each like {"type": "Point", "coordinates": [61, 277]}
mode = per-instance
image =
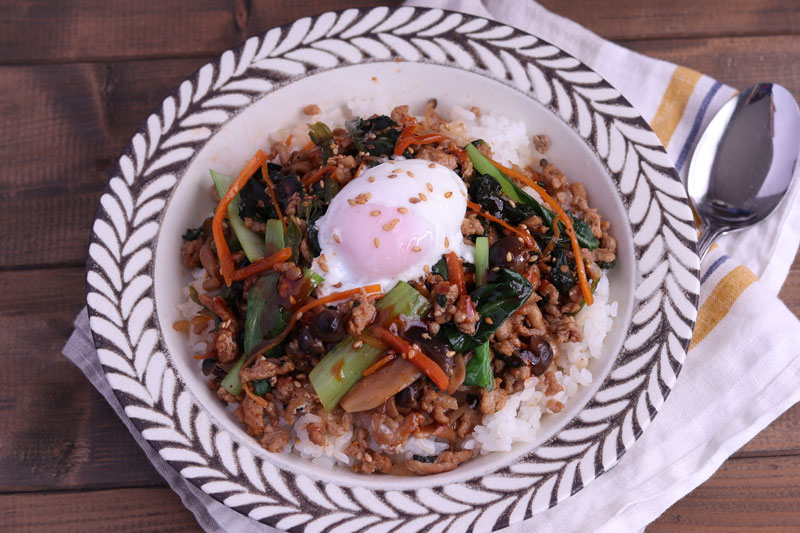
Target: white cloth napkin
{"type": "Point", "coordinates": [742, 373]}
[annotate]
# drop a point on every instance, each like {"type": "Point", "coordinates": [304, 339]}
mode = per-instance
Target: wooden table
{"type": "Point", "coordinates": [78, 77]}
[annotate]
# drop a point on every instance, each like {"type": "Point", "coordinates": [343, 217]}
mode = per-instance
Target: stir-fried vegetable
{"type": "Point", "coordinates": [503, 294]}
{"type": "Point", "coordinates": [375, 136]}
{"type": "Point", "coordinates": [265, 317]}
{"type": "Point", "coordinates": [374, 389]}
{"type": "Point", "coordinates": [479, 368]}
{"type": "Point", "coordinates": [273, 237]}
{"type": "Point", "coordinates": [343, 366]}
{"type": "Point", "coordinates": [252, 244]}
{"type": "Point", "coordinates": [231, 381]}
{"type": "Point", "coordinates": [481, 259]}
{"type": "Point", "coordinates": [322, 136]}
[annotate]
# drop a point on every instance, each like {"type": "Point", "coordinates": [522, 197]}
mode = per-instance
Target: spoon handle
{"type": "Point", "coordinates": [707, 237]}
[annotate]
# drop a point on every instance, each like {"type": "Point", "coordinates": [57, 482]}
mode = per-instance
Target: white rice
{"type": "Point", "coordinates": [520, 419]}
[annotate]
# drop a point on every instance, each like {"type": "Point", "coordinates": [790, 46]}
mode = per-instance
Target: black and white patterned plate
{"type": "Point", "coordinates": [439, 52]}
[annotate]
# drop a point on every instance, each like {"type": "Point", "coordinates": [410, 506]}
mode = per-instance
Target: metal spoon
{"type": "Point", "coordinates": [745, 160]}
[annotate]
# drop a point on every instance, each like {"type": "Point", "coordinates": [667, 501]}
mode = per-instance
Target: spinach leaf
{"type": "Point", "coordinates": [192, 233]}
{"type": "Point", "coordinates": [479, 368]}
{"type": "Point", "coordinates": [485, 191]}
{"type": "Point", "coordinates": [261, 387]}
{"type": "Point", "coordinates": [265, 317]}
{"type": "Point", "coordinates": [606, 265]}
{"type": "Point", "coordinates": [293, 237]}
{"type": "Point", "coordinates": [562, 274]}
{"type": "Point", "coordinates": [254, 202]}
{"type": "Point", "coordinates": [440, 268]}
{"type": "Point", "coordinates": [504, 292]}
{"type": "Point", "coordinates": [375, 136]}
{"type": "Point", "coordinates": [425, 458]}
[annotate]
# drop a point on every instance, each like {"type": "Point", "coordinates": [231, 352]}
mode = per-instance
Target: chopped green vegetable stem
{"type": "Point", "coordinates": [252, 243]}
{"type": "Point", "coordinates": [481, 259]}
{"type": "Point", "coordinates": [231, 381]}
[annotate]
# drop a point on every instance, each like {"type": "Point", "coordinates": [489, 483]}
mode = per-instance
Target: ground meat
{"type": "Point", "coordinates": [464, 420]}
{"type": "Point", "coordinates": [358, 444]}
{"type": "Point", "coordinates": [563, 328]}
{"type": "Point", "coordinates": [372, 461]}
{"type": "Point", "coordinates": [390, 431]}
{"type": "Point", "coordinates": [466, 317]}
{"type": "Point", "coordinates": [255, 225]}
{"type": "Point", "coordinates": [401, 116]}
{"type": "Point", "coordinates": [218, 307]}
{"type": "Point", "coordinates": [552, 384]}
{"type": "Point", "coordinates": [275, 438]}
{"type": "Point", "coordinates": [553, 178]}
{"type": "Point", "coordinates": [445, 462]}
{"type": "Point", "coordinates": [190, 252]}
{"type": "Point", "coordinates": [494, 400]}
{"type": "Point", "coordinates": [225, 343]}
{"type": "Point", "coordinates": [436, 403]}
{"type": "Point", "coordinates": [555, 406]}
{"type": "Point", "coordinates": [303, 399]}
{"type": "Point", "coordinates": [223, 394]}
{"type": "Point", "coordinates": [361, 316]}
{"type": "Point", "coordinates": [514, 378]}
{"type": "Point", "coordinates": [251, 414]}
{"type": "Point", "coordinates": [336, 423]}
{"type": "Point", "coordinates": [315, 434]}
{"type": "Point", "coordinates": [445, 296]}
{"type": "Point", "coordinates": [266, 368]}
{"type": "Point", "coordinates": [438, 156]}
{"type": "Point", "coordinates": [541, 143]}
{"type": "Point", "coordinates": [292, 205]}
{"type": "Point", "coordinates": [471, 225]}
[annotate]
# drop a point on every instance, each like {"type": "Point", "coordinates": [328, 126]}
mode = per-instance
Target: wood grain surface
{"type": "Point", "coordinates": [76, 79]}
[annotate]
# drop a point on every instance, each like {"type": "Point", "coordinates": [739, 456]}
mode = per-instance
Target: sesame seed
{"type": "Point", "coordinates": [371, 179]}
{"type": "Point", "coordinates": [422, 197]}
{"type": "Point", "coordinates": [337, 285]}
{"type": "Point", "coordinates": [297, 385]}
{"type": "Point", "coordinates": [358, 344]}
{"type": "Point", "coordinates": [509, 257]}
{"type": "Point", "coordinates": [429, 187]}
{"type": "Point", "coordinates": [431, 165]}
{"type": "Point", "coordinates": [377, 242]}
{"type": "Point", "coordinates": [410, 173]}
{"type": "Point", "coordinates": [427, 269]}
{"type": "Point", "coordinates": [402, 210]}
{"type": "Point", "coordinates": [448, 194]}
{"type": "Point", "coordinates": [489, 320]}
{"type": "Point", "coordinates": [513, 204]}
{"type": "Point", "coordinates": [375, 213]}
{"type": "Point", "coordinates": [388, 227]}
{"type": "Point", "coordinates": [414, 200]}
{"type": "Point", "coordinates": [446, 242]}
{"type": "Point", "coordinates": [520, 239]}
{"type": "Point", "coordinates": [462, 193]}
{"type": "Point", "coordinates": [451, 353]}
{"type": "Point", "coordinates": [391, 162]}
{"type": "Point", "coordinates": [391, 176]}
{"type": "Point", "coordinates": [416, 249]}
{"type": "Point", "coordinates": [337, 239]}
{"type": "Point", "coordinates": [292, 299]}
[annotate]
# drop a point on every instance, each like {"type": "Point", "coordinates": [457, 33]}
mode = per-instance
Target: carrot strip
{"type": "Point", "coordinates": [455, 272]}
{"type": "Point", "coordinates": [226, 265]}
{"type": "Point", "coordinates": [586, 290]}
{"type": "Point", "coordinates": [265, 263]}
{"type": "Point", "coordinates": [273, 195]}
{"type": "Point", "coordinates": [524, 235]}
{"type": "Point", "coordinates": [404, 139]}
{"type": "Point", "coordinates": [419, 359]}
{"type": "Point", "coordinates": [552, 243]}
{"type": "Point", "coordinates": [383, 361]}
{"type": "Point", "coordinates": [332, 297]}
{"type": "Point", "coordinates": [309, 145]}
{"type": "Point", "coordinates": [288, 140]}
{"type": "Point", "coordinates": [208, 355]}
{"type": "Point", "coordinates": [318, 175]}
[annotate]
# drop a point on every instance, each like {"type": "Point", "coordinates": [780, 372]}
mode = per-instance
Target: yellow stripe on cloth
{"type": "Point", "coordinates": [720, 301]}
{"type": "Point", "coordinates": [673, 103]}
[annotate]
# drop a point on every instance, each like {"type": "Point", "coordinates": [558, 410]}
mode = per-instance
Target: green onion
{"type": "Point", "coordinates": [273, 237]}
{"type": "Point", "coordinates": [342, 367]}
{"type": "Point", "coordinates": [231, 382]}
{"type": "Point", "coordinates": [481, 259]}
{"type": "Point", "coordinates": [312, 276]}
{"type": "Point", "coordinates": [265, 317]}
{"type": "Point", "coordinates": [322, 136]}
{"type": "Point", "coordinates": [252, 244]}
{"type": "Point", "coordinates": [294, 235]}
{"type": "Point", "coordinates": [479, 368]}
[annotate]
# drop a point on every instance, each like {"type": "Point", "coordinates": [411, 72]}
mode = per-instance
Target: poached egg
{"type": "Point", "coordinates": [389, 224]}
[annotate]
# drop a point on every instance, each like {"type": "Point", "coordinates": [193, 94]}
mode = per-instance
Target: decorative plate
{"type": "Point", "coordinates": [221, 114]}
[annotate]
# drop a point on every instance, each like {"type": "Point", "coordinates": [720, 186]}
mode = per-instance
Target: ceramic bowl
{"type": "Point", "coordinates": [218, 118]}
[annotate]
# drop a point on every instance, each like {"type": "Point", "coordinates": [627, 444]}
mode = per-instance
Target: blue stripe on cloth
{"type": "Point", "coordinates": [714, 266]}
{"type": "Point", "coordinates": [696, 125]}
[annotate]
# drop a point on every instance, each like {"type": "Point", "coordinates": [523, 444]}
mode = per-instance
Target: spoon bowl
{"type": "Point", "coordinates": [744, 162]}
